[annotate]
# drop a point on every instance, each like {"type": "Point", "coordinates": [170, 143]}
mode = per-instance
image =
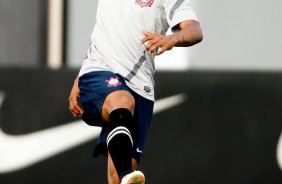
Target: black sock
{"type": "Point", "coordinates": [119, 140]}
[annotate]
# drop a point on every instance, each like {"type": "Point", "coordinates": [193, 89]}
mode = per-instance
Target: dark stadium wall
{"type": "Point", "coordinates": [226, 131]}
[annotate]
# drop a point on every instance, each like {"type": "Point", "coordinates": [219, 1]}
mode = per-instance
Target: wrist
{"type": "Point", "coordinates": [173, 40]}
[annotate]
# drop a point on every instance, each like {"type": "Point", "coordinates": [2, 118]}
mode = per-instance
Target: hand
{"type": "Point", "coordinates": [74, 108]}
{"type": "Point", "coordinates": [157, 43]}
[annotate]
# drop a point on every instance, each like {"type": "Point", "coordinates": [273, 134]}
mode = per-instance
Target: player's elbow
{"type": "Point", "coordinates": [195, 38]}
{"type": "Point", "coordinates": [194, 35]}
{"type": "Point", "coordinates": [198, 35]}
{"type": "Point", "coordinates": [199, 38]}
{"type": "Point", "coordinates": [193, 32]}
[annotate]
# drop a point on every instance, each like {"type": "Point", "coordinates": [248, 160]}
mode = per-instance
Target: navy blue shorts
{"type": "Point", "coordinates": [94, 88]}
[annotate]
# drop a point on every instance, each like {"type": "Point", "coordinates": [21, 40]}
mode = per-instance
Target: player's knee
{"type": "Point", "coordinates": [117, 100]}
{"type": "Point", "coordinates": [125, 101]}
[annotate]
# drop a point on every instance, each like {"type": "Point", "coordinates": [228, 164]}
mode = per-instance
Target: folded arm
{"type": "Point", "coordinates": [189, 34]}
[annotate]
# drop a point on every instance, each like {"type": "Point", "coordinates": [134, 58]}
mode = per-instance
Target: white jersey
{"type": "Point", "coordinates": [115, 41]}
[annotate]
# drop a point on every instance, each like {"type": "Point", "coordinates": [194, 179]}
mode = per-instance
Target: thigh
{"type": "Point", "coordinates": [94, 88]}
{"type": "Point", "coordinates": [116, 100]}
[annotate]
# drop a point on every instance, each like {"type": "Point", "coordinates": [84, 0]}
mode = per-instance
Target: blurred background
{"type": "Point", "coordinates": [226, 130]}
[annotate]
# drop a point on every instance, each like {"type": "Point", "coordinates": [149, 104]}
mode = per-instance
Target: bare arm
{"type": "Point", "coordinates": [74, 107]}
{"type": "Point", "coordinates": [190, 33]}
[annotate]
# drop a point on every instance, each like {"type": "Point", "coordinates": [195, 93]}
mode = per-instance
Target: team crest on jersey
{"type": "Point", "coordinates": [113, 82]}
{"type": "Point", "coordinates": [144, 3]}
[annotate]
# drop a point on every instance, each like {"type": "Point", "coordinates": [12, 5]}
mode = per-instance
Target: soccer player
{"type": "Point", "coordinates": [115, 85]}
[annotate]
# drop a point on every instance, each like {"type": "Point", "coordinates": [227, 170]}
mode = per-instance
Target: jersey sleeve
{"type": "Point", "coordinates": [178, 11]}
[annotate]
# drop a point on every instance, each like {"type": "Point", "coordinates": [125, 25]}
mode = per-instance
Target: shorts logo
{"type": "Point", "coordinates": [144, 3]}
{"type": "Point", "coordinates": [113, 82]}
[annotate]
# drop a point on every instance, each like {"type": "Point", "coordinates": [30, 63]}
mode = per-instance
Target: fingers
{"type": "Point", "coordinates": [146, 33]}
{"type": "Point", "coordinates": [153, 48]}
{"type": "Point", "coordinates": [153, 41]}
{"type": "Point", "coordinates": [153, 45]}
{"type": "Point", "coordinates": [160, 51]}
{"type": "Point", "coordinates": [156, 43]}
{"type": "Point", "coordinates": [148, 36]}
{"type": "Point", "coordinates": [74, 107]}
